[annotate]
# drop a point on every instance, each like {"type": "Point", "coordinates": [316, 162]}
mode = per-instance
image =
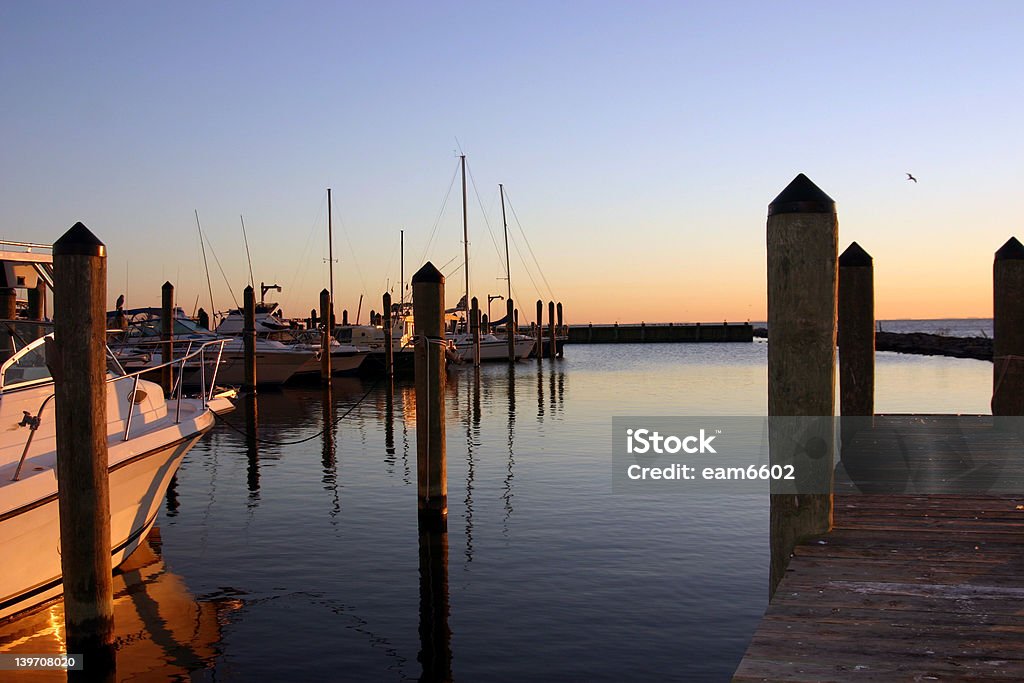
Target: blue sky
{"type": "Point", "coordinates": [640, 143]}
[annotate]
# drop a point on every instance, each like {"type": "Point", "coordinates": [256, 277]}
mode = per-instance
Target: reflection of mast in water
{"type": "Point", "coordinates": [552, 399]}
{"type": "Point", "coordinates": [472, 418]}
{"type": "Point", "coordinates": [329, 453]}
{"type": "Point", "coordinates": [540, 392]}
{"type": "Point", "coordinates": [435, 636]}
{"type": "Point", "coordinates": [561, 389]}
{"type": "Point", "coordinates": [389, 427]}
{"type": "Point", "coordinates": [252, 447]}
{"type": "Point", "coordinates": [511, 439]}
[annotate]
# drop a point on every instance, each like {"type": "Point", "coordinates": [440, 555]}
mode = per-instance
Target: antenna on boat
{"type": "Point", "coordinates": [209, 286]}
{"type": "Point", "coordinates": [249, 258]}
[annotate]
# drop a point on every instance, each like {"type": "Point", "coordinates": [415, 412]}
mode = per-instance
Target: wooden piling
{"type": "Point", "coordinates": [344, 316]}
{"type": "Point", "coordinates": [856, 331]}
{"type": "Point", "coordinates": [166, 336]}
{"type": "Point", "coordinates": [35, 304]}
{"type": "Point", "coordinates": [1008, 330]}
{"type": "Point", "coordinates": [802, 233]}
{"type": "Point", "coordinates": [249, 338]}
{"type": "Point", "coordinates": [474, 329]}
{"type": "Point", "coordinates": [389, 351]}
{"type": "Point", "coordinates": [551, 329]}
{"type": "Point", "coordinates": [510, 330]}
{"type": "Point", "coordinates": [558, 312]}
{"type": "Point", "coordinates": [204, 319]}
{"type": "Point", "coordinates": [325, 335]}
{"type": "Point", "coordinates": [431, 457]}
{"type": "Point", "coordinates": [515, 320]}
{"type": "Point", "coordinates": [485, 324]}
{"type": "Point", "coordinates": [78, 358]}
{"type": "Point", "coordinates": [540, 329]}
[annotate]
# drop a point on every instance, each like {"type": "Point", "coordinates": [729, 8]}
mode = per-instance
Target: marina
{"type": "Point", "coordinates": [460, 342]}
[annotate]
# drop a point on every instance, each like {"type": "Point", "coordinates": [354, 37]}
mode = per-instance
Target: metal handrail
{"type": "Point", "coordinates": [207, 396]}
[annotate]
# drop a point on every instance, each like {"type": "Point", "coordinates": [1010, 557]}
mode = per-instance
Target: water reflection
{"type": "Point", "coordinates": [435, 653]}
{"type": "Point", "coordinates": [162, 632]}
{"type": "Point", "coordinates": [507, 496]}
{"type": "Point", "coordinates": [251, 406]}
{"type": "Point", "coordinates": [328, 457]}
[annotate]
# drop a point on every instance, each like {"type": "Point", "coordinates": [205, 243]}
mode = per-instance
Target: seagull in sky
{"type": "Point", "coordinates": [910, 177]}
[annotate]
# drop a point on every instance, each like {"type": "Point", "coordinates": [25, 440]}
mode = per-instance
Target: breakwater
{"type": "Point", "coordinates": [924, 344]}
{"type": "Point", "coordinates": [657, 333]}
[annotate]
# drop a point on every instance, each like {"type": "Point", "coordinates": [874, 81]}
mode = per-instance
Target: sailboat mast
{"type": "Point", "coordinates": [209, 286]}
{"type": "Point", "coordinates": [465, 238]}
{"type": "Point", "coordinates": [508, 269]}
{"type": "Point", "coordinates": [245, 239]}
{"type": "Point", "coordinates": [330, 255]}
{"type": "Point", "coordinates": [402, 250]}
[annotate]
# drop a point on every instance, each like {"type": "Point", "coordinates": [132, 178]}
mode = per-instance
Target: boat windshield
{"type": "Point", "coordinates": [23, 352]}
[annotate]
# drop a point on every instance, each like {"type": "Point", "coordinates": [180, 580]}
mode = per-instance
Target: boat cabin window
{"type": "Point", "coordinates": [27, 367]}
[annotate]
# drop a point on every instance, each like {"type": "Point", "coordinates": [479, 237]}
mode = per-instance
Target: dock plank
{"type": "Point", "coordinates": [906, 587]}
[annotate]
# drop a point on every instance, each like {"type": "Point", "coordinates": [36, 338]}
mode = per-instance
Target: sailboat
{"type": "Point", "coordinates": [492, 347]}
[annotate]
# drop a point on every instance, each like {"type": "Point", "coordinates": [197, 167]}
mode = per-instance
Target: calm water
{"type": "Point", "coordinates": [302, 561]}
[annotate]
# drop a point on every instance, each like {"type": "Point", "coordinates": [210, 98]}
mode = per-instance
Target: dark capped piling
{"type": "Point", "coordinates": [249, 338]}
{"type": "Point", "coordinates": [431, 456]}
{"type": "Point", "coordinates": [1008, 330]}
{"type": "Point", "coordinates": [167, 336]}
{"type": "Point", "coordinates": [325, 336]}
{"type": "Point", "coordinates": [77, 358]}
{"type": "Point", "coordinates": [510, 330]}
{"type": "Point", "coordinates": [389, 351]}
{"type": "Point", "coordinates": [802, 235]}
{"type": "Point", "coordinates": [856, 332]}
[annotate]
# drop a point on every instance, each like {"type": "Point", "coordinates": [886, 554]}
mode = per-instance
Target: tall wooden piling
{"type": "Point", "coordinates": [485, 324]}
{"type": "Point", "coordinates": [431, 457]}
{"type": "Point", "coordinates": [540, 329]}
{"type": "Point", "coordinates": [856, 323]}
{"type": "Point", "coordinates": [325, 335]}
{"type": "Point", "coordinates": [389, 351]}
{"type": "Point", "coordinates": [474, 329]}
{"type": "Point", "coordinates": [510, 329]}
{"type": "Point", "coordinates": [560, 326]}
{"type": "Point", "coordinates": [515, 320]}
{"type": "Point", "coordinates": [249, 338]}
{"type": "Point", "coordinates": [166, 336]}
{"type": "Point", "coordinates": [344, 316]}
{"type": "Point", "coordinates": [802, 234]}
{"type": "Point", "coordinates": [78, 358]}
{"type": "Point", "coordinates": [551, 329]}
{"type": "Point", "coordinates": [1008, 330]}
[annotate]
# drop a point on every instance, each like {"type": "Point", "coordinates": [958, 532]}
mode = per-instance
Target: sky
{"type": "Point", "coordinates": [639, 144]}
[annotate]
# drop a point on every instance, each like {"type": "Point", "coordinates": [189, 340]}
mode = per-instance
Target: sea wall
{"type": "Point", "coordinates": [661, 333]}
{"type": "Point", "coordinates": [923, 344]}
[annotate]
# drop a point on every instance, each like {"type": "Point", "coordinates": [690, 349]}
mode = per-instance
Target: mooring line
{"type": "Point", "coordinates": [308, 438]}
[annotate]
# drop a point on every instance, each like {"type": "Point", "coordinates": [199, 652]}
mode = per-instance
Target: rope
{"type": "Point", "coordinates": [308, 438]}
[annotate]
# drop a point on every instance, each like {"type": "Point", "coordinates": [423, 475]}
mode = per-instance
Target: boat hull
{"type": "Point", "coordinates": [30, 535]}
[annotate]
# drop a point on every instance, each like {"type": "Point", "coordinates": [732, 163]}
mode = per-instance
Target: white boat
{"type": "Point", "coordinates": [345, 358]}
{"type": "Point", "coordinates": [140, 347]}
{"type": "Point", "coordinates": [147, 438]}
{"type": "Point", "coordinates": [492, 347]}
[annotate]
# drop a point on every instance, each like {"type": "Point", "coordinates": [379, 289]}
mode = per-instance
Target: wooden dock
{"type": "Point", "coordinates": [906, 587]}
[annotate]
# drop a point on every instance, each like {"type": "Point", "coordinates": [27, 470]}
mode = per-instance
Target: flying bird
{"type": "Point", "coordinates": [910, 177]}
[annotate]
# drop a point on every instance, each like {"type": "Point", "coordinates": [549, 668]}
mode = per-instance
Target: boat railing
{"type": "Point", "coordinates": [195, 352]}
